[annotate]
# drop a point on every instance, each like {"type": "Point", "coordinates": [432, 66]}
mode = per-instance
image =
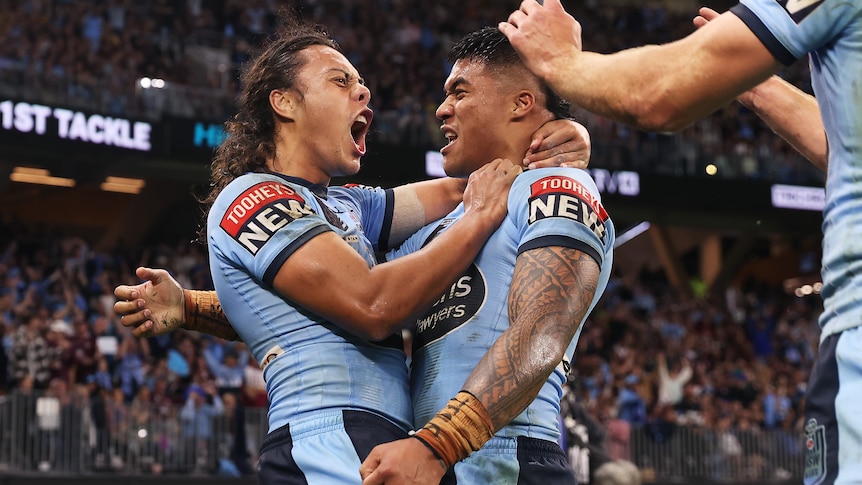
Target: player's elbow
{"type": "Point", "coordinates": [654, 110]}
{"type": "Point", "coordinates": [374, 322]}
{"type": "Point", "coordinates": [660, 118]}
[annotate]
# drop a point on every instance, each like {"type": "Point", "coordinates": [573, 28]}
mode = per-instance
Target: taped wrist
{"type": "Point", "coordinates": [459, 429]}
{"type": "Point", "coordinates": [200, 306]}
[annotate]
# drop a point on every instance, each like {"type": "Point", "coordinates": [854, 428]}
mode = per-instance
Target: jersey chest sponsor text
{"type": "Point", "coordinates": [460, 303]}
{"type": "Point", "coordinates": [559, 196]}
{"type": "Point", "coordinates": [259, 212]}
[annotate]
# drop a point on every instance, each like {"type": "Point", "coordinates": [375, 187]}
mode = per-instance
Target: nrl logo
{"type": "Point", "coordinates": [815, 452]}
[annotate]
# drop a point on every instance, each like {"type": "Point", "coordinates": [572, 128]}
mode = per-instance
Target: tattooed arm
{"type": "Point", "coordinates": [552, 288]}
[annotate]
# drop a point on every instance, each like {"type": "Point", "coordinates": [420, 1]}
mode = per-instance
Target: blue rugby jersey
{"type": "Point", "coordinates": [310, 364]}
{"type": "Point", "coordinates": [547, 207]}
{"type": "Point", "coordinates": [831, 31]}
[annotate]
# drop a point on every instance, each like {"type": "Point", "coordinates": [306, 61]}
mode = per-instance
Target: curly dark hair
{"type": "Point", "coordinates": [489, 46]}
{"type": "Point", "coordinates": [250, 140]}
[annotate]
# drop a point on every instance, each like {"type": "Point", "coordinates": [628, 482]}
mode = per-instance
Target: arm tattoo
{"type": "Point", "coordinates": [552, 289]}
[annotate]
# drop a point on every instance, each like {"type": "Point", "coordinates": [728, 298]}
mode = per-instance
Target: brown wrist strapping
{"type": "Point", "coordinates": [459, 429]}
{"type": "Point", "coordinates": [200, 306]}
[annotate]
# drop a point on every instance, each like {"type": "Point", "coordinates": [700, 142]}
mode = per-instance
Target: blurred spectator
{"type": "Point", "coordinates": [202, 406]}
{"type": "Point", "coordinates": [227, 368]}
{"type": "Point", "coordinates": [672, 379]}
{"type": "Point", "coordinates": [132, 357]}
{"type": "Point", "coordinates": [30, 354]}
{"type": "Point", "coordinates": [632, 407]}
{"type": "Point", "coordinates": [85, 352]}
{"type": "Point", "coordinates": [253, 385]}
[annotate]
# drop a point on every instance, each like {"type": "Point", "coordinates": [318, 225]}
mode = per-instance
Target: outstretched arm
{"type": "Point", "coordinates": [552, 288]}
{"type": "Point", "coordinates": [657, 88]}
{"type": "Point", "coordinates": [159, 305]}
{"type": "Point", "coordinates": [791, 113]}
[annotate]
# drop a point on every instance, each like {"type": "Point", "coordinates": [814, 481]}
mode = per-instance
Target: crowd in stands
{"type": "Point", "coordinates": [647, 363]}
{"type": "Point", "coordinates": [91, 55]}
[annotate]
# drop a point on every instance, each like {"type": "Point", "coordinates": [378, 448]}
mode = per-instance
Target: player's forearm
{"type": "Point", "coordinates": [400, 289]}
{"type": "Point", "coordinates": [793, 115]}
{"type": "Point", "coordinates": [667, 87]}
{"type": "Point", "coordinates": [421, 203]}
{"type": "Point", "coordinates": [440, 196]}
{"type": "Point", "coordinates": [203, 313]}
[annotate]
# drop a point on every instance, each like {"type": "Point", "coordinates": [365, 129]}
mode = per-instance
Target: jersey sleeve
{"type": "Point", "coordinates": [374, 206]}
{"type": "Point", "coordinates": [560, 207]}
{"type": "Point", "coordinates": [792, 28]}
{"type": "Point", "coordinates": [257, 226]}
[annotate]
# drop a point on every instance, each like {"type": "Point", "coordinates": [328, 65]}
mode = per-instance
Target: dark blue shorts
{"type": "Point", "coordinates": [514, 461]}
{"type": "Point", "coordinates": [326, 449]}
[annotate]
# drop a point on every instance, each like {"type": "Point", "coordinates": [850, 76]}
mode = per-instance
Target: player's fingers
{"type": "Point", "coordinates": [135, 319]}
{"type": "Point", "coordinates": [708, 13]}
{"type": "Point", "coordinates": [368, 466]}
{"type": "Point", "coordinates": [516, 18]}
{"type": "Point", "coordinates": [123, 307]}
{"type": "Point", "coordinates": [153, 275]}
{"type": "Point", "coordinates": [126, 292]}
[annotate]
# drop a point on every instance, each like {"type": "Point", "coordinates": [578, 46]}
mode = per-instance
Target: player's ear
{"type": "Point", "coordinates": [524, 102]}
{"type": "Point", "coordinates": [284, 103]}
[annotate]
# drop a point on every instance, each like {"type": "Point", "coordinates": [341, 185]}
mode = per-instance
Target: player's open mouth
{"type": "Point", "coordinates": [360, 128]}
{"type": "Point", "coordinates": [450, 135]}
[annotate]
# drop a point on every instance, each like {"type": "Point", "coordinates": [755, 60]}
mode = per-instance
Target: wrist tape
{"type": "Point", "coordinates": [459, 429]}
{"type": "Point", "coordinates": [199, 304]}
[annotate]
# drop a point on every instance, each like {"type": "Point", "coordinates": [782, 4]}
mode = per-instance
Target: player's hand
{"type": "Point", "coordinates": [406, 461]}
{"type": "Point", "coordinates": [487, 192]}
{"type": "Point", "coordinates": [545, 36]}
{"type": "Point", "coordinates": [559, 143]}
{"type": "Point", "coordinates": [704, 16]}
{"type": "Point", "coordinates": [154, 307]}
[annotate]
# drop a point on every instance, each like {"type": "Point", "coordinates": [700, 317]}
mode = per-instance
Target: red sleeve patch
{"type": "Point", "coordinates": [560, 185]}
{"type": "Point", "coordinates": [256, 214]}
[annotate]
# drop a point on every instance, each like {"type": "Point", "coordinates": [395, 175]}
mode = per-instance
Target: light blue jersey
{"type": "Point", "coordinates": [311, 366]}
{"type": "Point", "coordinates": [547, 207]}
{"type": "Point", "coordinates": [830, 32]}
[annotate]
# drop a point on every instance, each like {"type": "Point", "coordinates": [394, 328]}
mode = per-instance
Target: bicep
{"type": "Point", "coordinates": [326, 277]}
{"type": "Point", "coordinates": [553, 286]}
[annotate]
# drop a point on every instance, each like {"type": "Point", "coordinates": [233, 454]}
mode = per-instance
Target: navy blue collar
{"type": "Point", "coordinates": [317, 189]}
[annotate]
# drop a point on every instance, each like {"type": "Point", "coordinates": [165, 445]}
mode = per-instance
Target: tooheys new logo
{"type": "Point", "coordinates": [461, 302]}
{"type": "Point", "coordinates": [260, 211]}
{"type": "Point", "coordinates": [559, 196]}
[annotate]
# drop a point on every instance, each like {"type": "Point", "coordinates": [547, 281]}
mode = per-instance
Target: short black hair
{"type": "Point", "coordinates": [489, 46]}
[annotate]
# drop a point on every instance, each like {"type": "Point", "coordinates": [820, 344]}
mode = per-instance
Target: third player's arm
{"type": "Point", "coordinates": [793, 115]}
{"type": "Point", "coordinates": [552, 288]}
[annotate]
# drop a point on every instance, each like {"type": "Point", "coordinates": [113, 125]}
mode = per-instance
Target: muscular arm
{"type": "Point", "coordinates": [656, 88]}
{"type": "Point", "coordinates": [552, 289]}
{"type": "Point", "coordinates": [793, 115]}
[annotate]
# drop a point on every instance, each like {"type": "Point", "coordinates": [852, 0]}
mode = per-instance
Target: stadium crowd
{"type": "Point", "coordinates": [92, 55]}
{"type": "Point", "coordinates": [648, 363]}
